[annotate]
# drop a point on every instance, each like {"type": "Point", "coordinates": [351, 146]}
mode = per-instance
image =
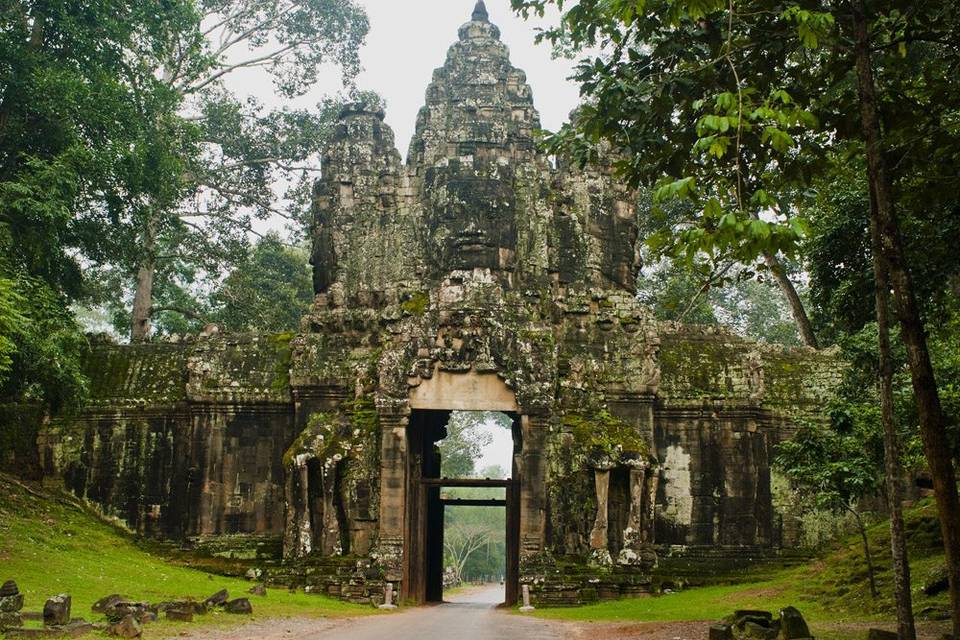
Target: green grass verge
{"type": "Point", "coordinates": [50, 545]}
{"type": "Point", "coordinates": [832, 591]}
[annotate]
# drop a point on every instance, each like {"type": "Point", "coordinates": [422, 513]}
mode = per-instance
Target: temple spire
{"type": "Point", "coordinates": [480, 12]}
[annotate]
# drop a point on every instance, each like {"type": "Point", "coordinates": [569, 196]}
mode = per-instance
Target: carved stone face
{"type": "Point", "coordinates": [470, 218]}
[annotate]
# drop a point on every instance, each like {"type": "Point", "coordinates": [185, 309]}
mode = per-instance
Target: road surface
{"type": "Point", "coordinates": [469, 615]}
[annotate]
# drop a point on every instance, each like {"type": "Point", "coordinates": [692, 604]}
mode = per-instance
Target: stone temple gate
{"type": "Point", "coordinates": [474, 276]}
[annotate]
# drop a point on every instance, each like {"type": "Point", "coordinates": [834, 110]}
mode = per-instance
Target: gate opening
{"type": "Point", "coordinates": [463, 525]}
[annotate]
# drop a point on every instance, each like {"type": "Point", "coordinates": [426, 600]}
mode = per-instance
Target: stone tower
{"type": "Point", "coordinates": [476, 276]}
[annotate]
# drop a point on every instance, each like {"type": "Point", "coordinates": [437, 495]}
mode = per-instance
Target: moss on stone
{"type": "Point", "coordinates": [603, 434]}
{"type": "Point", "coordinates": [417, 304]}
{"type": "Point", "coordinates": [281, 381]}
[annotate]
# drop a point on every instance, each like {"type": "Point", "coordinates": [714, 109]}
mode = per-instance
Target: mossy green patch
{"type": "Point", "coordinates": [417, 304]}
{"type": "Point", "coordinates": [281, 381]}
{"type": "Point", "coordinates": [601, 433]}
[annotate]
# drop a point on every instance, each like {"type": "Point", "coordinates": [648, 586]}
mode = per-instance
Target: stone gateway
{"type": "Point", "coordinates": [475, 276]}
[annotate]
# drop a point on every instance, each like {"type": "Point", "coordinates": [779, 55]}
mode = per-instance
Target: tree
{"type": "Point", "coordinates": [757, 90]}
{"type": "Point", "coordinates": [72, 116]}
{"type": "Point", "coordinates": [460, 543]}
{"type": "Point", "coordinates": [270, 291]}
{"type": "Point", "coordinates": [839, 255]}
{"type": "Point", "coordinates": [468, 432]}
{"type": "Point", "coordinates": [830, 465]}
{"type": "Point", "coordinates": [243, 150]}
{"type": "Point", "coordinates": [890, 262]}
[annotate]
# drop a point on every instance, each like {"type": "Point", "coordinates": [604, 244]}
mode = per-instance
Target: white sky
{"type": "Point", "coordinates": [500, 450]}
{"type": "Point", "coordinates": [408, 39]}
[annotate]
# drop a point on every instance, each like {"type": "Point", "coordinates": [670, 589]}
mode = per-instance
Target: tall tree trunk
{"type": "Point", "coordinates": [935, 443]}
{"type": "Point", "coordinates": [891, 443]}
{"type": "Point", "coordinates": [796, 304]}
{"type": "Point", "coordinates": [143, 296]}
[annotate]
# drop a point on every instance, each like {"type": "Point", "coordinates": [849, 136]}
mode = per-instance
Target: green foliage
{"type": "Point", "coordinates": [45, 364]}
{"type": "Point", "coordinates": [269, 291]}
{"type": "Point", "coordinates": [79, 155]}
{"type": "Point", "coordinates": [842, 292]}
{"type": "Point", "coordinates": [747, 115]}
{"type": "Point", "coordinates": [836, 464]}
{"type": "Point", "coordinates": [468, 432]}
{"type": "Point", "coordinates": [12, 325]}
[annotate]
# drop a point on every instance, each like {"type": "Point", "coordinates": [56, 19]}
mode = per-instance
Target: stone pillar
{"type": "Point", "coordinates": [598, 535]}
{"type": "Point", "coordinates": [634, 533]}
{"type": "Point", "coordinates": [533, 482]}
{"type": "Point", "coordinates": [650, 517]}
{"type": "Point", "coordinates": [330, 534]}
{"type": "Point", "coordinates": [393, 486]}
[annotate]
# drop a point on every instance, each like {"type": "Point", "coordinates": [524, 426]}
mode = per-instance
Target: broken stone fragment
{"type": "Point", "coordinates": [180, 615]}
{"type": "Point", "coordinates": [11, 604]}
{"type": "Point", "coordinates": [240, 606]}
{"type": "Point", "coordinates": [792, 625]}
{"type": "Point", "coordinates": [721, 632]}
{"type": "Point", "coordinates": [258, 590]}
{"type": "Point", "coordinates": [218, 599]}
{"type": "Point", "coordinates": [128, 627]}
{"type": "Point", "coordinates": [10, 620]}
{"type": "Point", "coordinates": [9, 588]}
{"type": "Point", "coordinates": [56, 611]}
{"type": "Point", "coordinates": [122, 608]}
{"type": "Point", "coordinates": [751, 630]}
{"type": "Point", "coordinates": [147, 617]}
{"type": "Point", "coordinates": [106, 603]}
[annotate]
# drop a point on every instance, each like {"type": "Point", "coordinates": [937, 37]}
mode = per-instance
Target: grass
{"type": "Point", "coordinates": [49, 544]}
{"type": "Point", "coordinates": [832, 591]}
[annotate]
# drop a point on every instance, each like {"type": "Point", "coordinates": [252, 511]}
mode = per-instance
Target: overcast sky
{"type": "Point", "coordinates": [408, 39]}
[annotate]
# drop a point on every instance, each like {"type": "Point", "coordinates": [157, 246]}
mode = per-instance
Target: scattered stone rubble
{"type": "Point", "coordinates": [760, 625]}
{"type": "Point", "coordinates": [125, 617]}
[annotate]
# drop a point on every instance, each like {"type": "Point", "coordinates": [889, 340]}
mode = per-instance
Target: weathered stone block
{"type": "Point", "coordinates": [721, 632]}
{"type": "Point", "coordinates": [128, 627]}
{"type": "Point", "coordinates": [106, 603]}
{"type": "Point", "coordinates": [11, 604]}
{"type": "Point", "coordinates": [792, 625]}
{"type": "Point", "coordinates": [180, 615]}
{"type": "Point", "coordinates": [218, 599]}
{"type": "Point", "coordinates": [56, 611]}
{"type": "Point", "coordinates": [10, 620]}
{"type": "Point", "coordinates": [238, 606]}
